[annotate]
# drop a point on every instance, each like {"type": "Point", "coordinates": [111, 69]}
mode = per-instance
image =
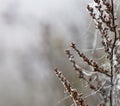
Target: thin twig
{"type": "Point", "coordinates": [90, 62]}
{"type": "Point", "coordinates": [76, 97]}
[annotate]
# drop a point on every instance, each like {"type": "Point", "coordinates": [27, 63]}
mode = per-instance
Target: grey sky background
{"type": "Point", "coordinates": [25, 76]}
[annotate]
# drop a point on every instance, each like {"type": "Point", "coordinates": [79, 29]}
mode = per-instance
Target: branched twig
{"type": "Point", "coordinates": [88, 77]}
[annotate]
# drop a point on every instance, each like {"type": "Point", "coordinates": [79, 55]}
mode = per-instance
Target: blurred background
{"type": "Point", "coordinates": [33, 37]}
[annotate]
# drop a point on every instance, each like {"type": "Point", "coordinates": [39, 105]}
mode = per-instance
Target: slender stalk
{"type": "Point", "coordinates": [112, 54]}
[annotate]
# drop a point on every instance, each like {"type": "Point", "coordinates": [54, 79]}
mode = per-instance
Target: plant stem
{"type": "Point", "coordinates": [112, 54]}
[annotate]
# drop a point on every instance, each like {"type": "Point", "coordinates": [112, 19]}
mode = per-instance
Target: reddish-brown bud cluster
{"type": "Point", "coordinates": [77, 97]}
